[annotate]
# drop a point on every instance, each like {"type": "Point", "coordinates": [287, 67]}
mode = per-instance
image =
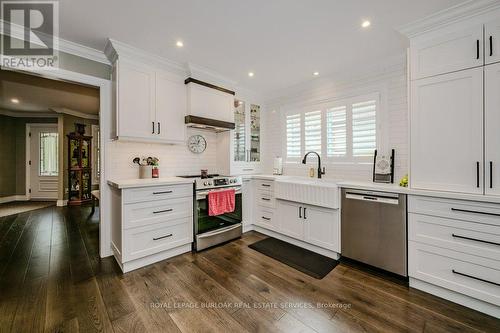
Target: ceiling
{"type": "Point", "coordinates": [283, 42]}
{"type": "Point", "coordinates": [37, 94]}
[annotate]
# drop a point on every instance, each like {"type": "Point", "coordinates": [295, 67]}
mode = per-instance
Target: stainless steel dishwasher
{"type": "Point", "coordinates": [373, 229]}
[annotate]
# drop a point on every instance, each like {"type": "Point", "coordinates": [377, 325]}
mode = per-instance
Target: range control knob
{"type": "Point", "coordinates": [205, 183]}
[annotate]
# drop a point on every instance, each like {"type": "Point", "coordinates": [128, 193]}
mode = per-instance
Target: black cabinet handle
{"type": "Point", "coordinates": [300, 212]}
{"type": "Point", "coordinates": [266, 185]}
{"type": "Point", "coordinates": [305, 217]}
{"type": "Point", "coordinates": [477, 49]}
{"type": "Point", "coordinates": [491, 174]}
{"type": "Point", "coordinates": [475, 239]}
{"type": "Point", "coordinates": [166, 236]}
{"type": "Point", "coordinates": [475, 278]}
{"type": "Point", "coordinates": [266, 199]}
{"type": "Point", "coordinates": [163, 192]}
{"type": "Point", "coordinates": [266, 218]}
{"type": "Point", "coordinates": [473, 212]}
{"type": "Point", "coordinates": [159, 128]}
{"type": "Point", "coordinates": [153, 127]}
{"type": "Point", "coordinates": [491, 46]}
{"type": "Point", "coordinates": [163, 211]}
{"type": "Point", "coordinates": [477, 174]}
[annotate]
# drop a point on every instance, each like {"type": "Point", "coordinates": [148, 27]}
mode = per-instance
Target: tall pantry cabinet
{"type": "Point", "coordinates": [455, 109]}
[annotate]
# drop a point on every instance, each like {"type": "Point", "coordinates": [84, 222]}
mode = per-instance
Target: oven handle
{"type": "Point", "coordinates": [203, 194]}
{"type": "Point", "coordinates": [219, 231]}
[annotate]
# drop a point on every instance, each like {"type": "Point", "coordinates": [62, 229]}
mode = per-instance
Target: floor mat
{"type": "Point", "coordinates": [308, 262]}
{"type": "Point", "coordinates": [23, 206]}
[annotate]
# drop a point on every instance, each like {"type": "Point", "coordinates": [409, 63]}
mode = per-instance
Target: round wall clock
{"type": "Point", "coordinates": [197, 144]}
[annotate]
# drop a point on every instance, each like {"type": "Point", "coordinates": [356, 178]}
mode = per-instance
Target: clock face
{"type": "Point", "coordinates": [197, 144]}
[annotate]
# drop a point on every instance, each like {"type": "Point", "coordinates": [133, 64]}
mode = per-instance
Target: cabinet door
{"type": "Point", "coordinates": [492, 42]}
{"type": "Point", "coordinates": [447, 53]}
{"type": "Point", "coordinates": [447, 132]}
{"type": "Point", "coordinates": [136, 100]}
{"type": "Point", "coordinates": [291, 223]}
{"type": "Point", "coordinates": [254, 138]}
{"type": "Point", "coordinates": [170, 108]}
{"type": "Point", "coordinates": [492, 128]}
{"type": "Point", "coordinates": [321, 227]}
{"type": "Point", "coordinates": [240, 132]}
{"type": "Point", "coordinates": [247, 197]}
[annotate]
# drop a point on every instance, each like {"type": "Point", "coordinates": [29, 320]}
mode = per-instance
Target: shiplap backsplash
{"type": "Point", "coordinates": [175, 160]}
{"type": "Point", "coordinates": [391, 82]}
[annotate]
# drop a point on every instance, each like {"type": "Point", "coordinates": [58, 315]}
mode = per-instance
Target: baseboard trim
{"type": "Point", "coordinates": [307, 246]}
{"type": "Point", "coordinates": [450, 295]}
{"type": "Point", "coordinates": [12, 198]}
{"type": "Point", "coordinates": [62, 203]}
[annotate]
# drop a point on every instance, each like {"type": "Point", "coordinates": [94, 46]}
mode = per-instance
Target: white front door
{"type": "Point", "coordinates": [44, 157]}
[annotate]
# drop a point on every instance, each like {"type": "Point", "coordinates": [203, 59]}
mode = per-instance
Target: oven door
{"type": "Point", "coordinates": [205, 223]}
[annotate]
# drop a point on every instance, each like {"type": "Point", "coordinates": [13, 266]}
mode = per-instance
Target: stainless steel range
{"type": "Point", "coordinates": [213, 230]}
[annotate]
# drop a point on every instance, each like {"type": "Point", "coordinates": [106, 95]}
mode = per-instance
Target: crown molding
{"type": "Point", "coordinates": [75, 113]}
{"type": "Point", "coordinates": [448, 16]}
{"type": "Point", "coordinates": [26, 114]}
{"type": "Point", "coordinates": [62, 45]}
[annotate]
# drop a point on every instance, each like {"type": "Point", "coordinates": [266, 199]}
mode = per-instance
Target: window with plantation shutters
{"type": "Point", "coordinates": [293, 136]}
{"type": "Point", "coordinates": [336, 131]}
{"type": "Point", "coordinates": [312, 131]}
{"type": "Point", "coordinates": [364, 128]}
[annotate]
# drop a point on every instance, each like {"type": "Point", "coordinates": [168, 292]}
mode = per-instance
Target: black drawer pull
{"type": "Point", "coordinates": [266, 218]}
{"type": "Point", "coordinates": [266, 185]}
{"type": "Point", "coordinates": [163, 211]}
{"type": "Point", "coordinates": [477, 49]}
{"type": "Point", "coordinates": [305, 217]}
{"type": "Point", "coordinates": [473, 212]}
{"type": "Point", "coordinates": [474, 239]}
{"type": "Point", "coordinates": [153, 127]}
{"type": "Point", "coordinates": [159, 128]}
{"type": "Point", "coordinates": [475, 278]}
{"type": "Point", "coordinates": [163, 192]}
{"type": "Point", "coordinates": [491, 46]}
{"type": "Point", "coordinates": [166, 236]}
{"type": "Point", "coordinates": [266, 199]}
{"type": "Point", "coordinates": [300, 212]}
{"type": "Point", "coordinates": [491, 174]}
{"type": "Point", "coordinates": [477, 174]}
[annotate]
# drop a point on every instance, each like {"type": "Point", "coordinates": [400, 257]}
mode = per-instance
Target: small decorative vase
{"type": "Point", "coordinates": [145, 171]}
{"type": "Point", "coordinates": [155, 172]}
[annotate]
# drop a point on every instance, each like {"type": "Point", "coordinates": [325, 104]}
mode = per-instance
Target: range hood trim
{"type": "Point", "coordinates": [209, 85]}
{"type": "Point", "coordinates": [208, 124]}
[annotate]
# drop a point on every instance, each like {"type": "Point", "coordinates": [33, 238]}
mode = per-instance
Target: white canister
{"type": "Point", "coordinates": [145, 171]}
{"type": "Point", "coordinates": [278, 166]}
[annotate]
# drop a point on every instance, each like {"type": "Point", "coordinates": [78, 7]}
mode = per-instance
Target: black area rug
{"type": "Point", "coordinates": [308, 262]}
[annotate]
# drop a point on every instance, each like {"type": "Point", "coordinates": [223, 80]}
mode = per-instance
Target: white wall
{"type": "Point", "coordinates": [175, 160]}
{"type": "Point", "coordinates": [389, 79]}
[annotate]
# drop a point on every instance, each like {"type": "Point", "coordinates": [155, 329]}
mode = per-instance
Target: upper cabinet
{"type": "Point", "coordinates": [246, 137]}
{"type": "Point", "coordinates": [492, 40]}
{"type": "Point", "coordinates": [444, 53]}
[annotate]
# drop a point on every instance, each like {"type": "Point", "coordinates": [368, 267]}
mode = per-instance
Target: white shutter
{"type": "Point", "coordinates": [336, 131]}
{"type": "Point", "coordinates": [364, 125]}
{"type": "Point", "coordinates": [312, 131]}
{"type": "Point", "coordinates": [293, 136]}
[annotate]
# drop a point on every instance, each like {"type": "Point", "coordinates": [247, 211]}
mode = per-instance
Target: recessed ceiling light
{"type": "Point", "coordinates": [316, 73]}
{"type": "Point", "coordinates": [366, 24]}
{"type": "Point", "coordinates": [240, 102]}
{"type": "Point", "coordinates": [179, 43]}
{"type": "Point", "coordinates": [251, 74]}
{"type": "Point", "coordinates": [14, 100]}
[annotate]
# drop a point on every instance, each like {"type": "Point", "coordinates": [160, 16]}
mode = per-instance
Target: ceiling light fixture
{"type": "Point", "coordinates": [366, 24]}
{"type": "Point", "coordinates": [316, 73]}
{"type": "Point", "coordinates": [251, 74]}
{"type": "Point", "coordinates": [179, 43]}
{"type": "Point", "coordinates": [14, 100]}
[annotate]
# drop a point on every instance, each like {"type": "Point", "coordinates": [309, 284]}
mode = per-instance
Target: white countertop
{"type": "Point", "coordinates": [133, 183]}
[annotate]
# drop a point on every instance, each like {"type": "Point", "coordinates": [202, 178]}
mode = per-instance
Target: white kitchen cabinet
{"type": "Point", "coordinates": [246, 142]}
{"type": "Point", "coordinates": [444, 53]}
{"type": "Point", "coordinates": [136, 100]}
{"type": "Point", "coordinates": [170, 107]}
{"type": "Point", "coordinates": [291, 220]}
{"type": "Point", "coordinates": [492, 128]}
{"type": "Point", "coordinates": [492, 42]}
{"type": "Point", "coordinates": [321, 227]}
{"type": "Point", "coordinates": [209, 103]}
{"type": "Point", "coordinates": [447, 132]}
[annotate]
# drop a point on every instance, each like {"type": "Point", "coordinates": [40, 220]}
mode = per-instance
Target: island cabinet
{"type": "Point", "coordinates": [151, 223]}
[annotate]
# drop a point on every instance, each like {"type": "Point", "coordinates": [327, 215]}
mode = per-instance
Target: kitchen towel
{"type": "Point", "coordinates": [221, 202]}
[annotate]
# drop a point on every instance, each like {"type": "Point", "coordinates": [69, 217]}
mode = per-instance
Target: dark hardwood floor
{"type": "Point", "coordinates": [51, 279]}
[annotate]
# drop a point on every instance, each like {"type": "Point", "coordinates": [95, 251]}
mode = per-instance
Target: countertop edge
{"type": "Point", "coordinates": [136, 183]}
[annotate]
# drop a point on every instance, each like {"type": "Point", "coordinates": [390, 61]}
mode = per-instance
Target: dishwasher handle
{"type": "Point", "coordinates": [385, 199]}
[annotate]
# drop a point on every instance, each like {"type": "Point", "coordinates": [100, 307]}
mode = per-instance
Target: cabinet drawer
{"type": "Point", "coordinates": [266, 218]}
{"type": "Point", "coordinates": [470, 275]}
{"type": "Point", "coordinates": [265, 200]}
{"type": "Point", "coordinates": [264, 185]}
{"type": "Point", "coordinates": [158, 211]}
{"type": "Point", "coordinates": [145, 241]}
{"type": "Point", "coordinates": [156, 193]}
{"type": "Point", "coordinates": [471, 211]}
{"type": "Point", "coordinates": [467, 237]}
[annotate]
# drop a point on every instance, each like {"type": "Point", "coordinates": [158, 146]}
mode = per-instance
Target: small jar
{"type": "Point", "coordinates": [155, 172]}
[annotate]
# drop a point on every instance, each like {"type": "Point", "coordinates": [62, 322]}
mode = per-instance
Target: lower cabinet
{"type": "Point", "coordinates": [314, 225]}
